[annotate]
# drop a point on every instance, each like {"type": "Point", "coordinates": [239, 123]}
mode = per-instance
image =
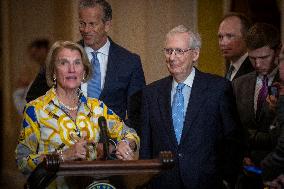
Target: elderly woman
{"type": "Point", "coordinates": [63, 120]}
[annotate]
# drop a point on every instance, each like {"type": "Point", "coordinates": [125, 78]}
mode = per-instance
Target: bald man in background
{"type": "Point", "coordinates": [232, 32]}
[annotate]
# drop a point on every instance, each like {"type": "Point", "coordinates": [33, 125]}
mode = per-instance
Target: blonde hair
{"type": "Point", "coordinates": [52, 55]}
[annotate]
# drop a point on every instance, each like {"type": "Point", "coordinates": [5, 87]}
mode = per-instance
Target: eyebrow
{"type": "Point", "coordinates": [259, 56]}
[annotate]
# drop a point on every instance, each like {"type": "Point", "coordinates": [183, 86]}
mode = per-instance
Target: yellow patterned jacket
{"type": "Point", "coordinates": [46, 126]}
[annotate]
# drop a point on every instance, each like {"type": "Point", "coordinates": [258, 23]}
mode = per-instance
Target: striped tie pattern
{"type": "Point", "coordinates": [94, 84]}
{"type": "Point", "coordinates": [263, 92]}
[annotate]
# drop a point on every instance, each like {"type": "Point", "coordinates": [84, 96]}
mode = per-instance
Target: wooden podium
{"type": "Point", "coordinates": [131, 174]}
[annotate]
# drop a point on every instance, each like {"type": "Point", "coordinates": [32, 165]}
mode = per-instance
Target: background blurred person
{"type": "Point", "coordinates": [232, 32]}
{"type": "Point", "coordinates": [251, 90]}
{"type": "Point", "coordinates": [37, 52]}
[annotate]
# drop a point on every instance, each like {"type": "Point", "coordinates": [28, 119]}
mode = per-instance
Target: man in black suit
{"type": "Point", "coordinates": [231, 34]}
{"type": "Point", "coordinates": [122, 76]}
{"type": "Point", "coordinates": [251, 90]}
{"type": "Point", "coordinates": [196, 122]}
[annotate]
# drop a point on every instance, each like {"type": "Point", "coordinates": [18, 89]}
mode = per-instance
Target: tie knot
{"type": "Point", "coordinates": [94, 54]}
{"type": "Point", "coordinates": [230, 72]}
{"type": "Point", "coordinates": [265, 80]}
{"type": "Point", "coordinates": [232, 68]}
{"type": "Point", "coordinates": [180, 87]}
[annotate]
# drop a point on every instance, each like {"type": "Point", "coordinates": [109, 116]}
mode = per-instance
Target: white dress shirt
{"type": "Point", "coordinates": [237, 65]}
{"type": "Point", "coordinates": [102, 55]}
{"type": "Point", "coordinates": [186, 90]}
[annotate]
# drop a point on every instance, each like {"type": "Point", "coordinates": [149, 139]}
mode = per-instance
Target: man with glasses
{"type": "Point", "coordinates": [231, 34]}
{"type": "Point", "coordinates": [191, 114]}
{"type": "Point", "coordinates": [251, 90]}
{"type": "Point", "coordinates": [118, 74]}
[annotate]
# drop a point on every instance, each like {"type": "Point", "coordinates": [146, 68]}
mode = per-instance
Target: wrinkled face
{"type": "Point", "coordinates": [263, 59]}
{"type": "Point", "coordinates": [69, 69]}
{"type": "Point", "coordinates": [92, 28]}
{"type": "Point", "coordinates": [180, 64]}
{"type": "Point", "coordinates": [231, 40]}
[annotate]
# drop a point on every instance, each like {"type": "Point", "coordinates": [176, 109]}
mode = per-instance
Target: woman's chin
{"type": "Point", "coordinates": [71, 86]}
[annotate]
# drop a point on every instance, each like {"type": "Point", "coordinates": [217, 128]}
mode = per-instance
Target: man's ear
{"type": "Point", "coordinates": [108, 25]}
{"type": "Point", "coordinates": [279, 50]}
{"type": "Point", "coordinates": [195, 54]}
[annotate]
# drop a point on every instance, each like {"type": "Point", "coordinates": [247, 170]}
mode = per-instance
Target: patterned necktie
{"type": "Point", "coordinates": [263, 92]}
{"type": "Point", "coordinates": [229, 73]}
{"type": "Point", "coordinates": [94, 85]}
{"type": "Point", "coordinates": [178, 111]}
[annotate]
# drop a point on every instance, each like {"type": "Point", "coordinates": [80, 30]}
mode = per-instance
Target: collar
{"type": "Point", "coordinates": [103, 50]}
{"type": "Point", "coordinates": [271, 74]}
{"type": "Point", "coordinates": [239, 62]}
{"type": "Point", "coordinates": [51, 96]}
{"type": "Point", "coordinates": [188, 81]}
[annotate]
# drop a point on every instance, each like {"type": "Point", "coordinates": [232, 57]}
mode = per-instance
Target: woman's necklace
{"type": "Point", "coordinates": [68, 107]}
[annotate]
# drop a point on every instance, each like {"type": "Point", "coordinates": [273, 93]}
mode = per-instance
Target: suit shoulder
{"type": "Point", "coordinates": [243, 78]}
{"type": "Point", "coordinates": [213, 78]}
{"type": "Point", "coordinates": [156, 85]}
{"type": "Point", "coordinates": [121, 50]}
{"type": "Point", "coordinates": [160, 82]}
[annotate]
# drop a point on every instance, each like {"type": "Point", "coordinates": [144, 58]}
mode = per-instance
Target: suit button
{"type": "Point", "coordinates": [180, 155]}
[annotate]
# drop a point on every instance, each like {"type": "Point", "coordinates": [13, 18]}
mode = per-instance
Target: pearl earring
{"type": "Point", "coordinates": [54, 81]}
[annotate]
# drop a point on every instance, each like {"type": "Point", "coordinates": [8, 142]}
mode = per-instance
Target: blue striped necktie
{"type": "Point", "coordinates": [178, 111]}
{"type": "Point", "coordinates": [94, 84]}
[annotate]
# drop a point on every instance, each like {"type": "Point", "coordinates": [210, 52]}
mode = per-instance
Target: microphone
{"type": "Point", "coordinates": [104, 136]}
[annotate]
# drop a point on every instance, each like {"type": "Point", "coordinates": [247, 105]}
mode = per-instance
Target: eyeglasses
{"type": "Point", "coordinates": [178, 52]}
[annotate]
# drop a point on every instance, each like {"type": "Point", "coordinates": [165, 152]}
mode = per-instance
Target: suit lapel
{"type": "Point", "coordinates": [250, 90]}
{"type": "Point", "coordinates": [164, 101]}
{"type": "Point", "coordinates": [245, 68]}
{"type": "Point", "coordinates": [242, 68]}
{"type": "Point", "coordinates": [197, 97]}
{"type": "Point", "coordinates": [111, 70]}
{"type": "Point", "coordinates": [276, 78]}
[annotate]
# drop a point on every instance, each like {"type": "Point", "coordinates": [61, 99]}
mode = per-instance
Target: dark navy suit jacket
{"type": "Point", "coordinates": [123, 82]}
{"type": "Point", "coordinates": [210, 143]}
{"type": "Point", "coordinates": [245, 68]}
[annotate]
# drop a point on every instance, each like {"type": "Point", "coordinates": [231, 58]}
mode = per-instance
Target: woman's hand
{"type": "Point", "coordinates": [100, 150]}
{"type": "Point", "coordinates": [123, 151]}
{"type": "Point", "coordinates": [77, 151]}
